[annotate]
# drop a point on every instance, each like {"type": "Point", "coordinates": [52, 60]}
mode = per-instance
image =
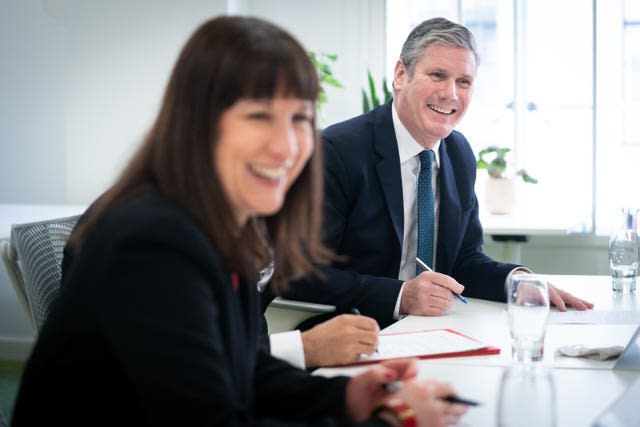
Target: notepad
{"type": "Point", "coordinates": [427, 344]}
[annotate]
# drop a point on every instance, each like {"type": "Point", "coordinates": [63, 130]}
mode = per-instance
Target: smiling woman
{"type": "Point", "coordinates": [273, 140]}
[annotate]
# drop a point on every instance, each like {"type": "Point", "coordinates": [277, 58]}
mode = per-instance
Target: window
{"type": "Point", "coordinates": [558, 83]}
{"type": "Point", "coordinates": [618, 111]}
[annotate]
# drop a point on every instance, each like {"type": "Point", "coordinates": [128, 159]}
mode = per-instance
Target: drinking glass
{"type": "Point", "coordinates": [528, 308]}
{"type": "Point", "coordinates": [623, 260]}
{"type": "Point", "coordinates": [527, 397]}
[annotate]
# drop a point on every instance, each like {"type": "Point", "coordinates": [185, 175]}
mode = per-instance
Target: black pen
{"type": "Point", "coordinates": [395, 386]}
{"type": "Point", "coordinates": [424, 266]}
{"type": "Point", "coordinates": [460, 401]}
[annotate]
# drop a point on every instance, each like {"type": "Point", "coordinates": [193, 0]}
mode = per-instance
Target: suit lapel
{"type": "Point", "coordinates": [388, 167]}
{"type": "Point", "coordinates": [449, 220]}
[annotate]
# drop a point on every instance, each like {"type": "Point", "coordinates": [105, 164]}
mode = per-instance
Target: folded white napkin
{"type": "Point", "coordinates": [596, 353]}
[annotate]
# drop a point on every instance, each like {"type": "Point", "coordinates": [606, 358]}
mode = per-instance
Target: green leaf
{"type": "Point", "coordinates": [528, 178]}
{"type": "Point", "coordinates": [385, 90]}
{"type": "Point", "coordinates": [332, 82]}
{"type": "Point", "coordinates": [365, 102]}
{"type": "Point", "coordinates": [497, 166]}
{"type": "Point", "coordinates": [375, 102]}
{"type": "Point", "coordinates": [501, 152]}
{"type": "Point", "coordinates": [322, 61]}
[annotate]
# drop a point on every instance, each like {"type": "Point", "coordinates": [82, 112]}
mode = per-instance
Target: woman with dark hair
{"type": "Point", "coordinates": [157, 322]}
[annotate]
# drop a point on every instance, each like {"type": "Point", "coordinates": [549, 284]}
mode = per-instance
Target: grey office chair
{"type": "Point", "coordinates": [283, 314]}
{"type": "Point", "coordinates": [33, 259]}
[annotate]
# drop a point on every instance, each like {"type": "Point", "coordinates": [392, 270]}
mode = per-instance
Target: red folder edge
{"type": "Point", "coordinates": [477, 352]}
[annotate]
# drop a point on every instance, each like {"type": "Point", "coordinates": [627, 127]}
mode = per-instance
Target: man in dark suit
{"type": "Point", "coordinates": [372, 169]}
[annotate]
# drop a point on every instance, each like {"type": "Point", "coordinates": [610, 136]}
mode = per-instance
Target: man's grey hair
{"type": "Point", "coordinates": [436, 31]}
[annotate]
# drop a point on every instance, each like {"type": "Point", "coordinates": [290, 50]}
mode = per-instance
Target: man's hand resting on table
{"type": "Point", "coordinates": [428, 294]}
{"type": "Point", "coordinates": [340, 340]}
{"type": "Point", "coordinates": [561, 299]}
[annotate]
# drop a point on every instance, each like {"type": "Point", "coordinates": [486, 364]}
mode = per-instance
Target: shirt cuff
{"type": "Point", "coordinates": [506, 281]}
{"type": "Point", "coordinates": [288, 347]}
{"type": "Point", "coordinates": [396, 310]}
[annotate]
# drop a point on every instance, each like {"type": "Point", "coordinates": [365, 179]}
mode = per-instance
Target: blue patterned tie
{"type": "Point", "coordinates": [425, 210]}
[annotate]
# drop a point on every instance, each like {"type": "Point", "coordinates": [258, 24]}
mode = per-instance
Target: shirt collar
{"type": "Point", "coordinates": [407, 146]}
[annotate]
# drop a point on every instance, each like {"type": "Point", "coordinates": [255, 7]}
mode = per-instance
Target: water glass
{"type": "Point", "coordinates": [528, 308]}
{"type": "Point", "coordinates": [527, 397]}
{"type": "Point", "coordinates": [623, 260]}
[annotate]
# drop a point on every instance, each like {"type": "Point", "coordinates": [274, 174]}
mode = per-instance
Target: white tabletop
{"type": "Point", "coordinates": [584, 387]}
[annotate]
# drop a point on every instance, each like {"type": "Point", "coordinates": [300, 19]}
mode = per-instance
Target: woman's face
{"type": "Point", "coordinates": [263, 146]}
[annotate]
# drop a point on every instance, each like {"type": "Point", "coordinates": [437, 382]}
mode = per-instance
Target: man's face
{"type": "Point", "coordinates": [432, 101]}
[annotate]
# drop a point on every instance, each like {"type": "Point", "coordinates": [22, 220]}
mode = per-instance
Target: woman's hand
{"type": "Point", "coordinates": [366, 393]}
{"type": "Point", "coordinates": [340, 340]}
{"type": "Point", "coordinates": [426, 399]}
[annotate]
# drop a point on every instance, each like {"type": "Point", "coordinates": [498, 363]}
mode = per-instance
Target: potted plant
{"type": "Point", "coordinates": [322, 62]}
{"type": "Point", "coordinates": [500, 197]}
{"type": "Point", "coordinates": [371, 100]}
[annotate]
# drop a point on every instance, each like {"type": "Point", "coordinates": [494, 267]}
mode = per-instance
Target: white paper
{"type": "Point", "coordinates": [602, 317]}
{"type": "Point", "coordinates": [423, 343]}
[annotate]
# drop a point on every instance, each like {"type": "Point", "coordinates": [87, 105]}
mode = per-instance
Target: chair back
{"type": "Point", "coordinates": [33, 258]}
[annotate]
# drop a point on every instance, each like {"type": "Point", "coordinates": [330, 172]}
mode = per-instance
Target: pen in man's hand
{"type": "Point", "coordinates": [424, 266]}
{"type": "Point", "coordinates": [395, 386]}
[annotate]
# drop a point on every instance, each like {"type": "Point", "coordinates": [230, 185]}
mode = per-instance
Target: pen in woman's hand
{"type": "Point", "coordinates": [425, 267]}
{"type": "Point", "coordinates": [355, 311]}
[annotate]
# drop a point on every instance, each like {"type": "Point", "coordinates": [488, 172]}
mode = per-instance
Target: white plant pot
{"type": "Point", "coordinates": [500, 195]}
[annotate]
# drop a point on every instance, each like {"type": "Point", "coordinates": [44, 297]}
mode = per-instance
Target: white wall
{"type": "Point", "coordinates": [81, 81]}
{"type": "Point", "coordinates": [353, 29]}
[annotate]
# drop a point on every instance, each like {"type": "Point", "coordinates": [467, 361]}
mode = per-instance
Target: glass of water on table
{"type": "Point", "coordinates": [528, 308]}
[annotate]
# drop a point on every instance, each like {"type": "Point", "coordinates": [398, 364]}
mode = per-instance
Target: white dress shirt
{"type": "Point", "coordinates": [288, 346]}
{"type": "Point", "coordinates": [409, 150]}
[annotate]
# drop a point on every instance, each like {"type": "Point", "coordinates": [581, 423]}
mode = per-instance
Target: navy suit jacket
{"type": "Point", "coordinates": [364, 220]}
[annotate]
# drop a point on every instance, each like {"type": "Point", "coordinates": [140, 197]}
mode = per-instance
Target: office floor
{"type": "Point", "coordinates": [10, 372]}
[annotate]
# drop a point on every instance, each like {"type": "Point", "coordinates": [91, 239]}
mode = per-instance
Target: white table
{"type": "Point", "coordinates": [584, 387]}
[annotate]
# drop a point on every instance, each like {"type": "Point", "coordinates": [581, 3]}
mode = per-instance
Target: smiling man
{"type": "Point", "coordinates": [374, 183]}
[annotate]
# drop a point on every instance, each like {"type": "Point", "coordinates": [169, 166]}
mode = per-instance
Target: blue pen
{"type": "Point", "coordinates": [424, 266]}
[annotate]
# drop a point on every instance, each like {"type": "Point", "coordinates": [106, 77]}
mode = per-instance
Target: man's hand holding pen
{"type": "Point", "coordinates": [429, 294]}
